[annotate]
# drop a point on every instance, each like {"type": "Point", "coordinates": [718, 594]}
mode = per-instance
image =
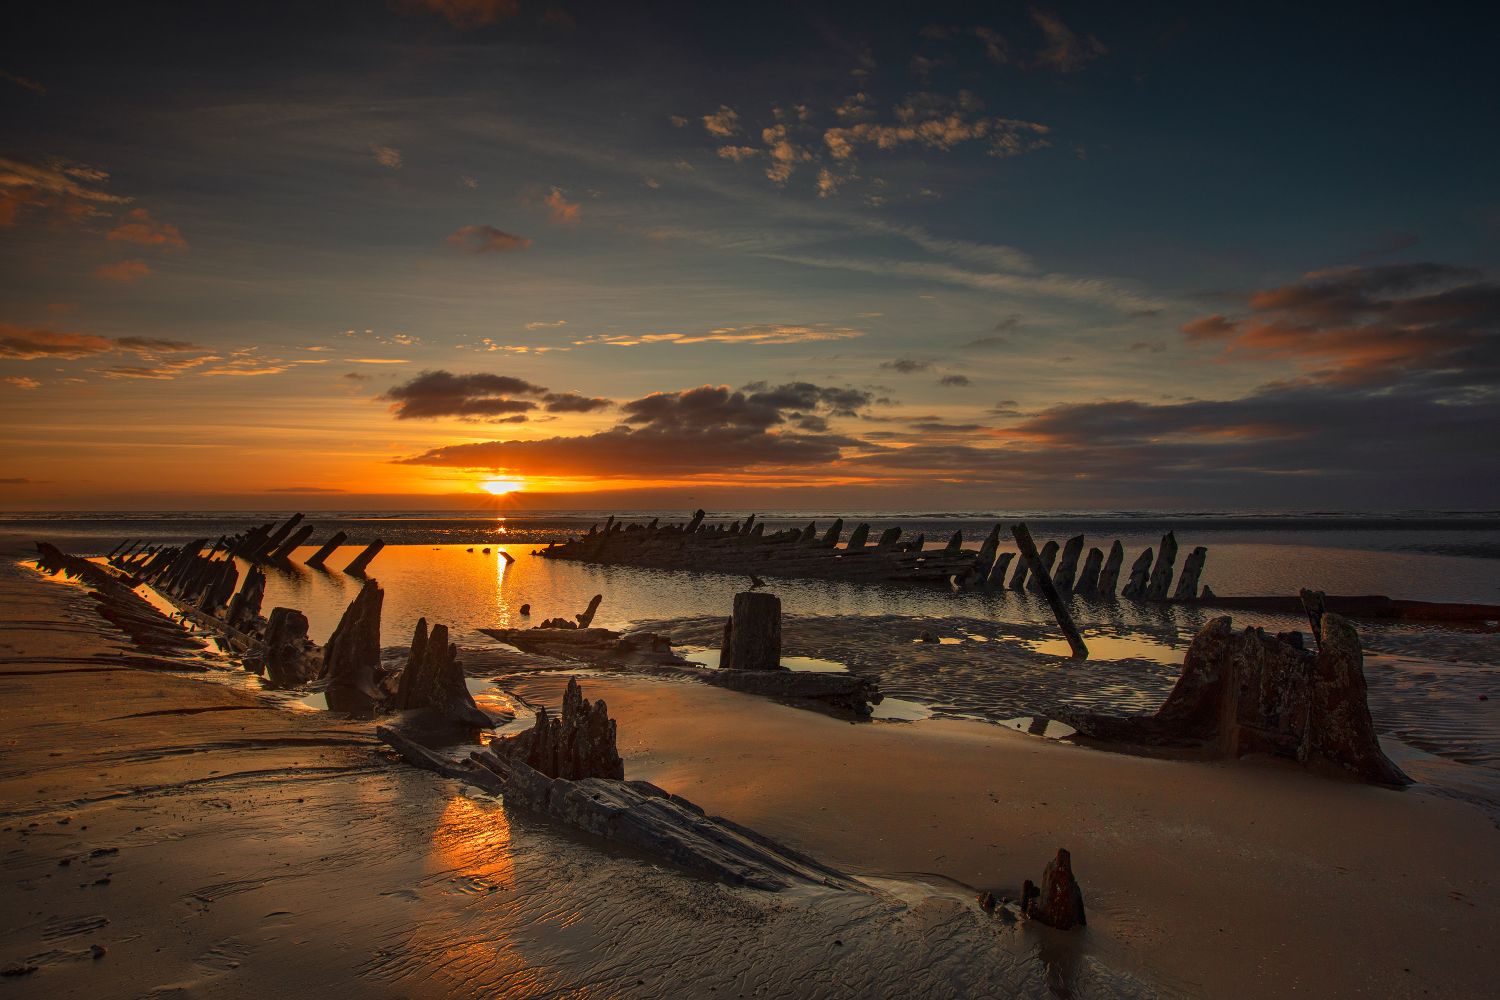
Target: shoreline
{"type": "Point", "coordinates": [1168, 852]}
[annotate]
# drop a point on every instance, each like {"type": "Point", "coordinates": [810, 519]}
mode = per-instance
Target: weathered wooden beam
{"type": "Point", "coordinates": [293, 540]}
{"type": "Point", "coordinates": [996, 577]}
{"type": "Point", "coordinates": [361, 561]}
{"type": "Point", "coordinates": [1140, 577]}
{"type": "Point", "coordinates": [1054, 599]}
{"type": "Point", "coordinates": [1088, 577]}
{"type": "Point", "coordinates": [1192, 569]}
{"type": "Point", "coordinates": [955, 544]}
{"type": "Point", "coordinates": [1161, 573]}
{"type": "Point", "coordinates": [857, 538]}
{"type": "Point", "coordinates": [1067, 566]}
{"type": "Point", "coordinates": [1109, 576]}
{"type": "Point", "coordinates": [317, 559]}
{"type": "Point", "coordinates": [1048, 556]}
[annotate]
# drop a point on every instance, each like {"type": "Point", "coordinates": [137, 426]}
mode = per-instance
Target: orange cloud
{"type": "Point", "coordinates": [67, 190]}
{"type": "Point", "coordinates": [24, 344]}
{"type": "Point", "coordinates": [564, 212]}
{"type": "Point", "coordinates": [485, 239]}
{"type": "Point", "coordinates": [139, 227]}
{"type": "Point", "coordinates": [124, 272]}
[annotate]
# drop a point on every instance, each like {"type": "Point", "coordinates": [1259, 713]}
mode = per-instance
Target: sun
{"type": "Point", "coordinates": [500, 487]}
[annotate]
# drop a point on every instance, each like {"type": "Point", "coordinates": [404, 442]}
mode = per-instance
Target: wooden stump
{"type": "Point", "coordinates": [1140, 576]}
{"type": "Point", "coordinates": [287, 662]}
{"type": "Point", "coordinates": [317, 559]}
{"type": "Point", "coordinates": [1109, 576]}
{"type": "Point", "coordinates": [755, 635]}
{"type": "Point", "coordinates": [1161, 573]}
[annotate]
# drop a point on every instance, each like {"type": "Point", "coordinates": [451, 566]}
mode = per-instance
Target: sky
{"type": "Point", "coordinates": [990, 256]}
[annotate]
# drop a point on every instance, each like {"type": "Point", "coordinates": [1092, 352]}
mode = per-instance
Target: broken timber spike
{"type": "Point", "coordinates": [1054, 599]}
{"type": "Point", "coordinates": [1018, 578]}
{"type": "Point", "coordinates": [295, 539]}
{"type": "Point", "coordinates": [857, 538]}
{"type": "Point", "coordinates": [831, 536]}
{"type": "Point", "coordinates": [888, 538]}
{"type": "Point", "coordinates": [1109, 576]}
{"type": "Point", "coordinates": [1192, 569]}
{"type": "Point", "coordinates": [361, 561]}
{"type": "Point", "coordinates": [1140, 575]}
{"type": "Point", "coordinates": [1067, 566]}
{"type": "Point", "coordinates": [317, 558]}
{"type": "Point", "coordinates": [997, 572]}
{"type": "Point", "coordinates": [1088, 578]}
{"type": "Point", "coordinates": [1161, 573]}
{"type": "Point", "coordinates": [955, 543]}
{"type": "Point", "coordinates": [1048, 557]}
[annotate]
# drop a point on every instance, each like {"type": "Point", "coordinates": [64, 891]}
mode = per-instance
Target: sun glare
{"type": "Point", "coordinates": [500, 487]}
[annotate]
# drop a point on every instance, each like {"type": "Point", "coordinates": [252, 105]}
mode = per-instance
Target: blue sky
{"type": "Point", "coordinates": [235, 238]}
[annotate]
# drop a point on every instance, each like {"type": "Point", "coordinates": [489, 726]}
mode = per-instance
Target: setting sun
{"type": "Point", "coordinates": [500, 487]}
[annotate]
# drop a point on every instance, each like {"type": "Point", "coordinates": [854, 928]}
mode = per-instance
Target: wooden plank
{"type": "Point", "coordinates": [1049, 591]}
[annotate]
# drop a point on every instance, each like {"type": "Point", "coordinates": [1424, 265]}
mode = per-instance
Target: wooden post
{"type": "Point", "coordinates": [1192, 569]}
{"type": "Point", "coordinates": [1161, 573]}
{"type": "Point", "coordinates": [755, 636]}
{"type": "Point", "coordinates": [357, 567]}
{"type": "Point", "coordinates": [1047, 556]}
{"type": "Point", "coordinates": [1064, 619]}
{"type": "Point", "coordinates": [1109, 576]}
{"type": "Point", "coordinates": [317, 558]}
{"type": "Point", "coordinates": [1088, 577]}
{"type": "Point", "coordinates": [1067, 565]}
{"type": "Point", "coordinates": [857, 538]}
{"type": "Point", "coordinates": [955, 544]}
{"type": "Point", "coordinates": [287, 547]}
{"type": "Point", "coordinates": [997, 571]}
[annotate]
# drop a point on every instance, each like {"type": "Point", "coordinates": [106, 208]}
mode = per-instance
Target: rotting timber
{"type": "Point", "coordinates": [747, 547]}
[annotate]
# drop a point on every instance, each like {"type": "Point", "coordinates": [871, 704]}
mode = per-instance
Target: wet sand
{"type": "Point", "coordinates": [265, 850]}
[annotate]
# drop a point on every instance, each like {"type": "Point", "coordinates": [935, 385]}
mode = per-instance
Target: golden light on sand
{"type": "Point", "coordinates": [500, 487]}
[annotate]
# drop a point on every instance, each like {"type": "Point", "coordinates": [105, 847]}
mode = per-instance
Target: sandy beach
{"type": "Point", "coordinates": [214, 840]}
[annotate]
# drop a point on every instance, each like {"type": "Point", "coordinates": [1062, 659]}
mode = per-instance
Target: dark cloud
{"type": "Point", "coordinates": [709, 429]}
{"type": "Point", "coordinates": [1390, 323]}
{"type": "Point", "coordinates": [434, 394]}
{"type": "Point", "coordinates": [955, 380]}
{"type": "Point", "coordinates": [485, 239]}
{"type": "Point", "coordinates": [30, 344]}
{"type": "Point", "coordinates": [906, 366]}
{"type": "Point", "coordinates": [355, 376]}
{"type": "Point", "coordinates": [572, 402]}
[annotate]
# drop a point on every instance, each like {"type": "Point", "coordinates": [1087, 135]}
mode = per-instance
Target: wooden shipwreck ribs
{"type": "Point", "coordinates": [747, 547]}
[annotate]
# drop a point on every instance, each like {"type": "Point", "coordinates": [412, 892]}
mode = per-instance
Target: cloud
{"type": "Point", "coordinates": [67, 191]}
{"type": "Point", "coordinates": [906, 366]}
{"type": "Point", "coordinates": [26, 83]}
{"type": "Point", "coordinates": [485, 239]}
{"type": "Point", "coordinates": [761, 334]}
{"type": "Point", "coordinates": [934, 121]}
{"type": "Point", "coordinates": [1064, 51]}
{"type": "Point", "coordinates": [783, 152]}
{"type": "Point", "coordinates": [1383, 324]}
{"type": "Point", "coordinates": [465, 15]}
{"type": "Point", "coordinates": [437, 393]}
{"type": "Point", "coordinates": [738, 154]}
{"type": "Point", "coordinates": [722, 123]}
{"type": "Point", "coordinates": [22, 382]}
{"type": "Point", "coordinates": [954, 380]}
{"type": "Point", "coordinates": [386, 156]}
{"type": "Point", "coordinates": [564, 212]}
{"type": "Point", "coordinates": [692, 432]}
{"type": "Point", "coordinates": [377, 361]}
{"type": "Point", "coordinates": [1389, 242]}
{"type": "Point", "coordinates": [31, 344]}
{"type": "Point", "coordinates": [139, 227]}
{"type": "Point", "coordinates": [356, 376]}
{"type": "Point", "coordinates": [14, 481]}
{"type": "Point", "coordinates": [123, 272]}
{"type": "Point", "coordinates": [306, 489]}
{"type": "Point", "coordinates": [572, 402]}
{"type": "Point", "coordinates": [545, 324]}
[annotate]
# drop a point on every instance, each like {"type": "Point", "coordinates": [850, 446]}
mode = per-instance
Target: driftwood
{"type": "Point", "coordinates": [362, 561]}
{"type": "Point", "coordinates": [1161, 573]}
{"type": "Point", "coordinates": [1250, 692]}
